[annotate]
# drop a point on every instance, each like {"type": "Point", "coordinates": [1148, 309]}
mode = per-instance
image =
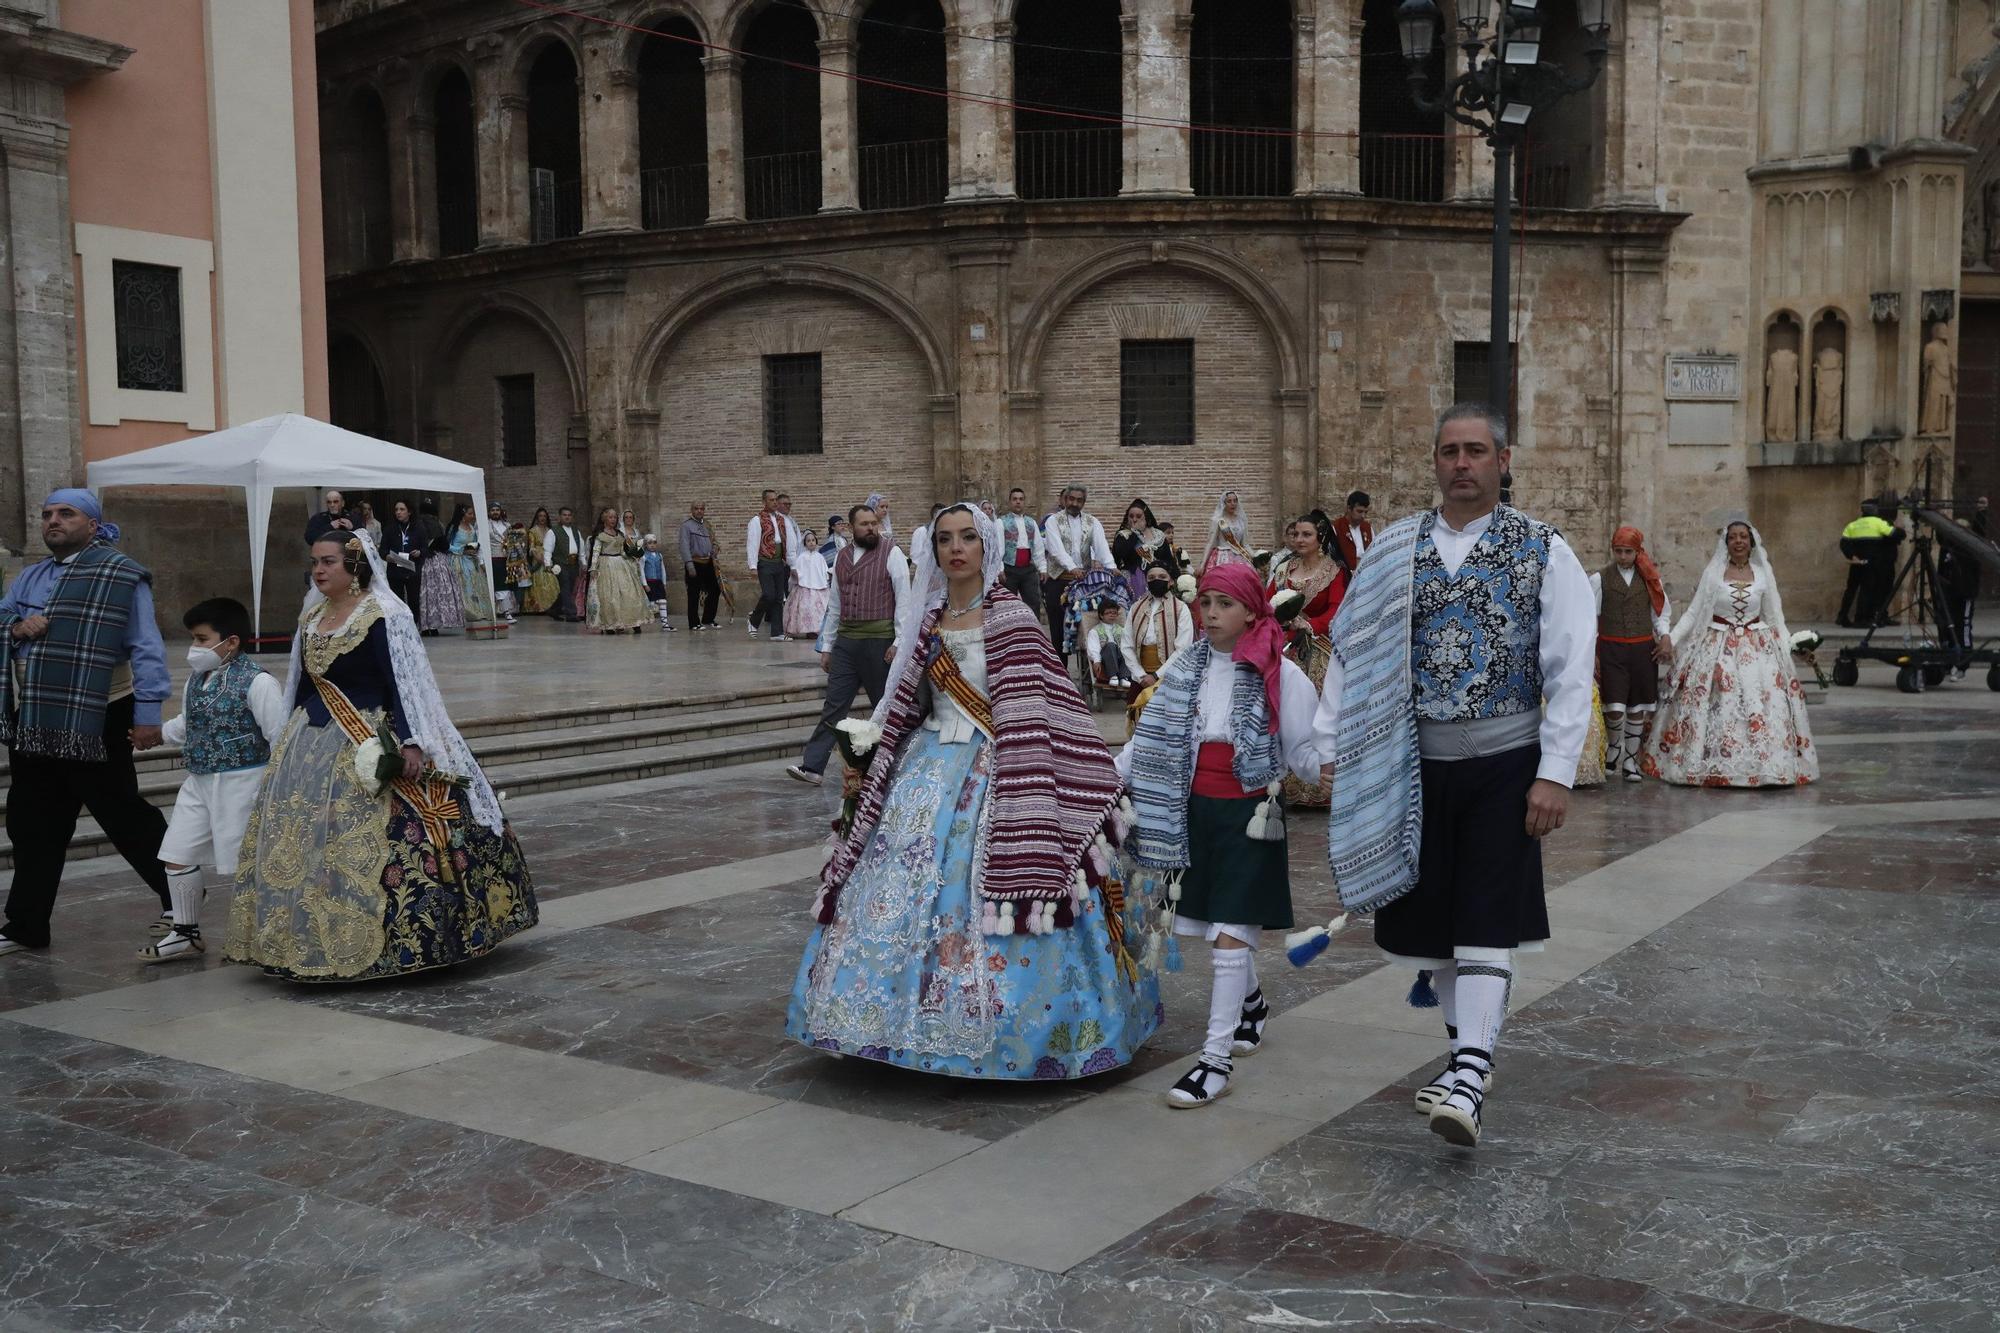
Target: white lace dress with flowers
{"type": "Point", "coordinates": [1734, 713]}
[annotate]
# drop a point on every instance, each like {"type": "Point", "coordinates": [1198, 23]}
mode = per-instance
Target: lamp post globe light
{"type": "Point", "coordinates": [1504, 83]}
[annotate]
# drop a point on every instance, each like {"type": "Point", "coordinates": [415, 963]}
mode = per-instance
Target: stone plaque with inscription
{"type": "Point", "coordinates": [1704, 379]}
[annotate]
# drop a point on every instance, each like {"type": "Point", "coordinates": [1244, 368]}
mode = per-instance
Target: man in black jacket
{"type": "Point", "coordinates": [334, 516]}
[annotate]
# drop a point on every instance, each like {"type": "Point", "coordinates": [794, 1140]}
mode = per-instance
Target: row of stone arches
{"type": "Point", "coordinates": [686, 379]}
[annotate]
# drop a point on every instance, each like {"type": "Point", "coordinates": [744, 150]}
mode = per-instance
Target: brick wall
{"type": "Point", "coordinates": [1236, 414]}
{"type": "Point", "coordinates": [875, 406]}
{"type": "Point", "coordinates": [468, 402]}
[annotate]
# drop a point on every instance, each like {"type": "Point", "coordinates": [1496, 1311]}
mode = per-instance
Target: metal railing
{"type": "Point", "coordinates": [781, 185]}
{"type": "Point", "coordinates": [1241, 166]}
{"type": "Point", "coordinates": [1553, 175]}
{"type": "Point", "coordinates": [1406, 167]}
{"type": "Point", "coordinates": [556, 208]}
{"type": "Point", "coordinates": [910, 174]}
{"type": "Point", "coordinates": [674, 196]}
{"type": "Point", "coordinates": [1068, 164]}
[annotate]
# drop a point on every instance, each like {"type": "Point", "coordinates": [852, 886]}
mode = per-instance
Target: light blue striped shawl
{"type": "Point", "coordinates": [1375, 827]}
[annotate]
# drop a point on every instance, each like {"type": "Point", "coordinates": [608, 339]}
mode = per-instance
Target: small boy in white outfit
{"type": "Point", "coordinates": [231, 711]}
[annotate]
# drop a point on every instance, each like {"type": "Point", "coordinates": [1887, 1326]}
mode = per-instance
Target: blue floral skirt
{"type": "Point", "coordinates": [903, 974]}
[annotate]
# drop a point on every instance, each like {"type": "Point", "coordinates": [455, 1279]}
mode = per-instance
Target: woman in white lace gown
{"type": "Point", "coordinates": [1734, 713]}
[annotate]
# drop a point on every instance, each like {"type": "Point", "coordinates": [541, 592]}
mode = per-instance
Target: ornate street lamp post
{"type": "Point", "coordinates": [1505, 82]}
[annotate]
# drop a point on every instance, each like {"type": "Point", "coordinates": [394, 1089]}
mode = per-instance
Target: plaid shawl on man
{"type": "Point", "coordinates": [58, 708]}
{"type": "Point", "coordinates": [1054, 786]}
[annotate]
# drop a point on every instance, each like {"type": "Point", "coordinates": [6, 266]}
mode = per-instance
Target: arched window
{"type": "Point", "coordinates": [354, 176]}
{"type": "Point", "coordinates": [1403, 147]}
{"type": "Point", "coordinates": [356, 400]}
{"type": "Point", "coordinates": [555, 146]}
{"type": "Point", "coordinates": [1242, 80]}
{"type": "Point", "coordinates": [902, 132]}
{"type": "Point", "coordinates": [781, 131]}
{"type": "Point", "coordinates": [673, 128]}
{"type": "Point", "coordinates": [1068, 57]}
{"type": "Point", "coordinates": [456, 164]}
{"type": "Point", "coordinates": [1558, 166]}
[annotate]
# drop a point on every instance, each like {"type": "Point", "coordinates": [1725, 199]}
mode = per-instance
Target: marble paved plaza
{"type": "Point", "coordinates": [1750, 1086]}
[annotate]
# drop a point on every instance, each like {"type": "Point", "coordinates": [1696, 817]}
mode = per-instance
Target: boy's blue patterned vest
{"type": "Point", "coordinates": [222, 732]}
{"type": "Point", "coordinates": [1476, 647]}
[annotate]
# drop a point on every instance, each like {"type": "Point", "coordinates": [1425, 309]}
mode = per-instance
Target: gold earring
{"type": "Point", "coordinates": [353, 586]}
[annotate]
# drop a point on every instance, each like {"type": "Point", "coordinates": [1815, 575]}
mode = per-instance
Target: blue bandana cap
{"type": "Point", "coordinates": [86, 503]}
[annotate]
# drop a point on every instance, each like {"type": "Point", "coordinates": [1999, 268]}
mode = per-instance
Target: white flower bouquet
{"type": "Point", "coordinates": [1185, 587]}
{"type": "Point", "coordinates": [378, 761]}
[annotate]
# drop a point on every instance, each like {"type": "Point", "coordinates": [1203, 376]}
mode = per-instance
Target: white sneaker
{"type": "Point", "coordinates": [781, 638]}
{"type": "Point", "coordinates": [10, 945]}
{"type": "Point", "coordinates": [804, 775]}
{"type": "Point", "coordinates": [753, 631]}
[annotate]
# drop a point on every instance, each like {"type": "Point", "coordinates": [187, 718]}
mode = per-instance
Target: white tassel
{"type": "Point", "coordinates": [1267, 824]}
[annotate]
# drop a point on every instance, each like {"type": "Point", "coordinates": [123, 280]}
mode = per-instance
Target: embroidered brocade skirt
{"type": "Point", "coordinates": [441, 605]}
{"type": "Point", "coordinates": [542, 592]}
{"type": "Point", "coordinates": [903, 974]}
{"type": "Point", "coordinates": [335, 884]}
{"type": "Point", "coordinates": [617, 599]}
{"type": "Point", "coordinates": [1734, 715]}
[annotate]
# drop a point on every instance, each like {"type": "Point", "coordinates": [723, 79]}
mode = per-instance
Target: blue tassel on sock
{"type": "Point", "coordinates": [1421, 994]}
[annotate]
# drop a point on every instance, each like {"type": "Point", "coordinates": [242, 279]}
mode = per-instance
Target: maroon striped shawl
{"type": "Point", "coordinates": [1054, 785]}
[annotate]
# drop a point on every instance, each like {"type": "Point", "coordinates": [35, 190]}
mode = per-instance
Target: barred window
{"type": "Point", "coordinates": [1156, 391]}
{"type": "Point", "coordinates": [791, 404]}
{"type": "Point", "coordinates": [1470, 380]}
{"type": "Point", "coordinates": [517, 420]}
{"type": "Point", "coordinates": [147, 305]}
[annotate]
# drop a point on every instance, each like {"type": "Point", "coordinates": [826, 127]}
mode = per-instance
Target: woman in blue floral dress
{"type": "Point", "coordinates": [971, 921]}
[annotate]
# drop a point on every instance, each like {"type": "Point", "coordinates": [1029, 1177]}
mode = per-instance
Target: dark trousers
{"type": "Point", "coordinates": [1479, 874]}
{"type": "Point", "coordinates": [408, 584]}
{"type": "Point", "coordinates": [1052, 599]}
{"type": "Point", "coordinates": [43, 801]}
{"type": "Point", "coordinates": [1880, 588]}
{"type": "Point", "coordinates": [773, 581]}
{"type": "Point", "coordinates": [1112, 659]}
{"type": "Point", "coordinates": [565, 607]}
{"type": "Point", "coordinates": [1854, 599]}
{"type": "Point", "coordinates": [703, 589]}
{"type": "Point", "coordinates": [1025, 583]}
{"type": "Point", "coordinates": [855, 665]}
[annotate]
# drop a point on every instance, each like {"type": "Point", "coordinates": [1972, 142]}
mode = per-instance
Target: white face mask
{"type": "Point", "coordinates": [204, 659]}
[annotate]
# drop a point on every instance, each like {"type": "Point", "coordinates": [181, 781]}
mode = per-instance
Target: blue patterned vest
{"type": "Point", "coordinates": [222, 732]}
{"type": "Point", "coordinates": [1475, 650]}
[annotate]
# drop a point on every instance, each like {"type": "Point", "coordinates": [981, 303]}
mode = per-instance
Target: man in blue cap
{"type": "Point", "coordinates": [87, 675]}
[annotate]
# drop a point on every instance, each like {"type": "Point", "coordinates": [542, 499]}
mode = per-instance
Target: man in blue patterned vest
{"type": "Point", "coordinates": [1461, 622]}
{"type": "Point", "coordinates": [231, 711]}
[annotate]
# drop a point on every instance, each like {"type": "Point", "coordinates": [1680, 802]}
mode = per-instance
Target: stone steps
{"type": "Point", "coordinates": [584, 747]}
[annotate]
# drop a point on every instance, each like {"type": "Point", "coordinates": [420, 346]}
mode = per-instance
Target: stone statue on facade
{"type": "Point", "coordinates": [1940, 383]}
{"type": "Point", "coordinates": [1781, 396]}
{"type": "Point", "coordinates": [1829, 374]}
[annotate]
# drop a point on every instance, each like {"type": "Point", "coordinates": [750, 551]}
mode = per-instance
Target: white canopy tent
{"type": "Point", "coordinates": [290, 450]}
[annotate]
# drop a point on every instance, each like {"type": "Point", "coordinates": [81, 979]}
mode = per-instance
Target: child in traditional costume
{"type": "Point", "coordinates": [970, 919]}
{"type": "Point", "coordinates": [653, 569]}
{"type": "Point", "coordinates": [1230, 717]}
{"type": "Point", "coordinates": [231, 711]}
{"type": "Point", "coordinates": [1633, 624]}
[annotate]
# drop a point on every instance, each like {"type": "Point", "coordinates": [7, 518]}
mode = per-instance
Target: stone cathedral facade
{"type": "Point", "coordinates": [641, 254]}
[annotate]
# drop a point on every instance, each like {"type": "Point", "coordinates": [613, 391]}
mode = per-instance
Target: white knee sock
{"type": "Point", "coordinates": [1635, 736]}
{"type": "Point", "coordinates": [1444, 980]}
{"type": "Point", "coordinates": [1614, 737]}
{"type": "Point", "coordinates": [1225, 1002]}
{"type": "Point", "coordinates": [185, 889]}
{"type": "Point", "coordinates": [1485, 978]}
{"type": "Point", "coordinates": [1250, 986]}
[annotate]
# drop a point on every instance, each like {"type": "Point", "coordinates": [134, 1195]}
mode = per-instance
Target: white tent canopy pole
{"type": "Point", "coordinates": [261, 456]}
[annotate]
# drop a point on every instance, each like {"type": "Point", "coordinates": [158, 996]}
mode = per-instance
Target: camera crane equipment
{"type": "Point", "coordinates": [1935, 635]}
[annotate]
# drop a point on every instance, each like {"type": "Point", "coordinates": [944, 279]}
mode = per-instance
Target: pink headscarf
{"type": "Point", "coordinates": [1261, 646]}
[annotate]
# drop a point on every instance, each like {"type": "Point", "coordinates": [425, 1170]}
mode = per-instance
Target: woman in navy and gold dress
{"type": "Point", "coordinates": [337, 883]}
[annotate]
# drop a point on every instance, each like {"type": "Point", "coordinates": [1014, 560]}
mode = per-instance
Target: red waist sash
{"type": "Point", "coordinates": [1215, 773]}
